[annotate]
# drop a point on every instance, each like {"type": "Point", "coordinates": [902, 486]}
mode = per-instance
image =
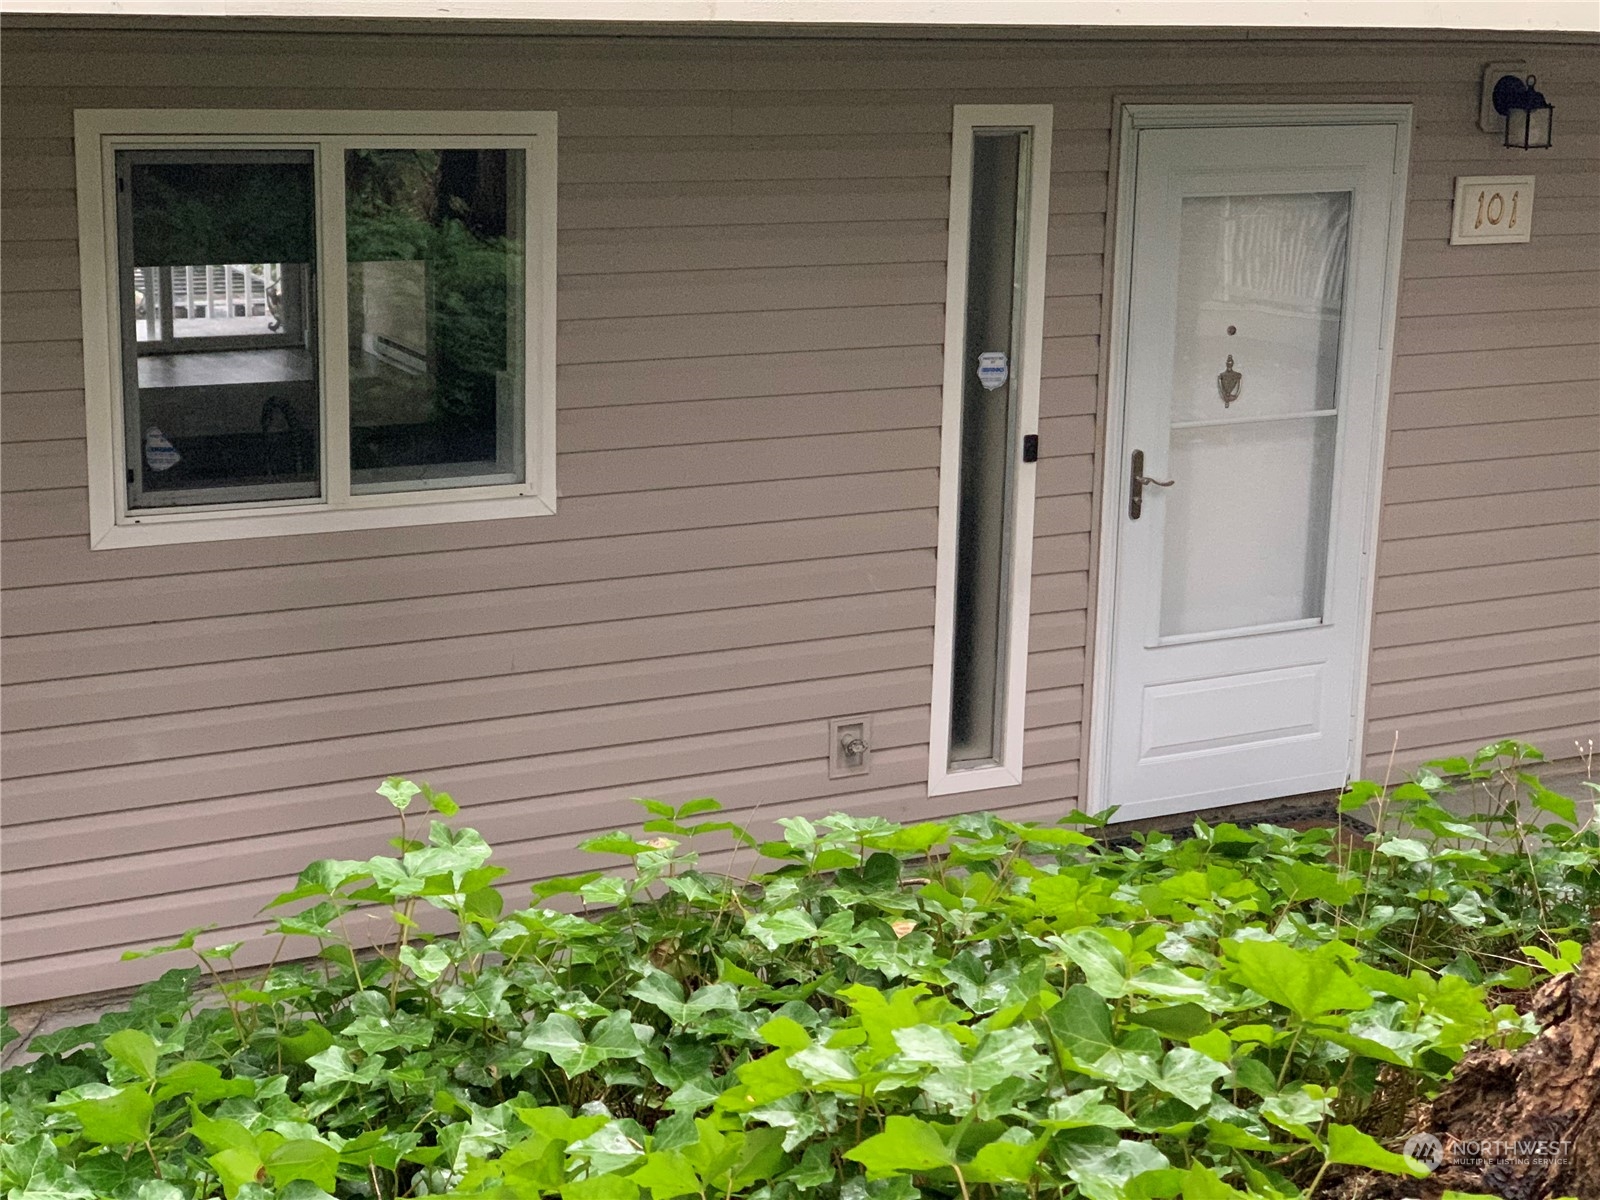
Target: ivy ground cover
{"type": "Point", "coordinates": [972, 1008]}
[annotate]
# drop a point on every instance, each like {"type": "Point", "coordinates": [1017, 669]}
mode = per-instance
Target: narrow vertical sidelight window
{"type": "Point", "coordinates": [999, 206]}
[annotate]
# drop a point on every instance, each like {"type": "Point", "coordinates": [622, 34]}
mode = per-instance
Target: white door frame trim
{"type": "Point", "coordinates": [1135, 118]}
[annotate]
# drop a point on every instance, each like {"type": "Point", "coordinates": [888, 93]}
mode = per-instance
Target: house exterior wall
{"type": "Point", "coordinates": [751, 286]}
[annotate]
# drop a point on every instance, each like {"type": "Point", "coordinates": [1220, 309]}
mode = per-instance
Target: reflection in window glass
{"type": "Point", "coordinates": [996, 248]}
{"type": "Point", "coordinates": [436, 310]}
{"type": "Point", "coordinates": [220, 381]}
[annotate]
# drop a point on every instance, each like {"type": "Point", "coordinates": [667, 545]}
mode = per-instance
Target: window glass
{"type": "Point", "coordinates": [221, 390]}
{"type": "Point", "coordinates": [1261, 283]}
{"type": "Point", "coordinates": [435, 247]}
{"type": "Point", "coordinates": [988, 422]}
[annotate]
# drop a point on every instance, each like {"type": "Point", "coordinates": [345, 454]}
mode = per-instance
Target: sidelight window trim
{"type": "Point", "coordinates": [101, 133]}
{"type": "Point", "coordinates": [1005, 769]}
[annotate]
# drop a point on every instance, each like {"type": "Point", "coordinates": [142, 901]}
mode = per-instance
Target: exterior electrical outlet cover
{"type": "Point", "coordinates": [844, 735]}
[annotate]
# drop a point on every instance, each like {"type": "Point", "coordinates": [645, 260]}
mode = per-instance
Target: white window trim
{"type": "Point", "coordinates": [99, 133]}
{"type": "Point", "coordinates": [1006, 770]}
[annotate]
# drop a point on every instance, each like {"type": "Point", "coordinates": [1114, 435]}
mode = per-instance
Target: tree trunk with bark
{"type": "Point", "coordinates": [1523, 1124]}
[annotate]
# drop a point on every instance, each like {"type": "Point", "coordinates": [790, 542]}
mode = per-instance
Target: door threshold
{"type": "Point", "coordinates": [1303, 810]}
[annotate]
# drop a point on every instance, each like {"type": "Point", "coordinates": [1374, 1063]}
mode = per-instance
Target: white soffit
{"type": "Point", "coordinates": [1569, 16]}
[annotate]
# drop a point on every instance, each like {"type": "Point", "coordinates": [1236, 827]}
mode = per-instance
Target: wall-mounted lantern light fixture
{"type": "Point", "coordinates": [1529, 116]}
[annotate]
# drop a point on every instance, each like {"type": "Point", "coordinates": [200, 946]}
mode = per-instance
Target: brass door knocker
{"type": "Point", "coordinates": [1228, 383]}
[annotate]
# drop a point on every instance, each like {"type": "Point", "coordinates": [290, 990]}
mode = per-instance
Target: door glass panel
{"type": "Point", "coordinates": [1261, 281]}
{"type": "Point", "coordinates": [1271, 269]}
{"type": "Point", "coordinates": [1247, 524]}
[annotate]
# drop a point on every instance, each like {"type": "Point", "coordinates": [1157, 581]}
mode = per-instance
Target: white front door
{"type": "Point", "coordinates": [1246, 487]}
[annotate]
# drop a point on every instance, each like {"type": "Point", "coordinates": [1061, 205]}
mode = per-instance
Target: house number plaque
{"type": "Point", "coordinates": [1491, 210]}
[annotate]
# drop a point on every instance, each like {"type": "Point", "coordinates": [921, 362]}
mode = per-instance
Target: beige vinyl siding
{"type": "Point", "coordinates": [1487, 618]}
{"type": "Point", "coordinates": [751, 286]}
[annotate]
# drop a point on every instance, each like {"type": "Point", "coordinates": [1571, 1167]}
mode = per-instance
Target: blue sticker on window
{"type": "Point", "coordinates": [159, 454]}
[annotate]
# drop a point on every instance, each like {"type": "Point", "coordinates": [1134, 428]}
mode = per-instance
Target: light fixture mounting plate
{"type": "Point", "coordinates": [1488, 120]}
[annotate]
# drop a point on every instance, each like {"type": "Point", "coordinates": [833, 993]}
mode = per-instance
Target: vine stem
{"type": "Point", "coordinates": [962, 1180]}
{"type": "Point", "coordinates": [1316, 1180]}
{"type": "Point", "coordinates": [1381, 805]}
{"type": "Point", "coordinates": [1288, 1057]}
{"type": "Point", "coordinates": [405, 927]}
{"type": "Point", "coordinates": [350, 948]}
{"type": "Point", "coordinates": [222, 990]}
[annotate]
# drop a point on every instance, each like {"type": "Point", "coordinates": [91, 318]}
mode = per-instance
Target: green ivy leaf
{"type": "Point", "coordinates": [907, 1145]}
{"type": "Point", "coordinates": [322, 878]}
{"type": "Point", "coordinates": [1359, 794]}
{"type": "Point", "coordinates": [1348, 1145]}
{"type": "Point", "coordinates": [134, 1049]}
{"type": "Point", "coordinates": [1085, 1110]}
{"type": "Point", "coordinates": [563, 1039]}
{"type": "Point", "coordinates": [1183, 1021]}
{"type": "Point", "coordinates": [666, 993]}
{"type": "Point", "coordinates": [304, 1158]}
{"type": "Point", "coordinates": [309, 1040]}
{"type": "Point", "coordinates": [1009, 1159]}
{"type": "Point", "coordinates": [1254, 1074]}
{"type": "Point", "coordinates": [1409, 849]}
{"type": "Point", "coordinates": [1202, 1183]}
{"type": "Point", "coordinates": [440, 802]}
{"type": "Point", "coordinates": [1081, 1022]}
{"type": "Point", "coordinates": [221, 1133]}
{"type": "Point", "coordinates": [1296, 1109]}
{"type": "Point", "coordinates": [1306, 881]}
{"type": "Point", "coordinates": [1002, 1055]}
{"type": "Point", "coordinates": [1309, 983]}
{"type": "Point", "coordinates": [237, 1168]}
{"type": "Point", "coordinates": [785, 1033]}
{"type": "Point", "coordinates": [201, 1081]}
{"type": "Point", "coordinates": [1102, 1172]}
{"type": "Point", "coordinates": [781, 928]}
{"type": "Point", "coordinates": [600, 1187]}
{"type": "Point", "coordinates": [113, 1116]}
{"type": "Point", "coordinates": [32, 1169]}
{"type": "Point", "coordinates": [1104, 967]}
{"type": "Point", "coordinates": [667, 1174]}
{"type": "Point", "coordinates": [393, 1031]}
{"type": "Point", "coordinates": [615, 842]}
{"type": "Point", "coordinates": [563, 885]}
{"type": "Point", "coordinates": [761, 1081]}
{"type": "Point", "coordinates": [1189, 1075]}
{"type": "Point", "coordinates": [185, 942]}
{"type": "Point", "coordinates": [1569, 954]}
{"type": "Point", "coordinates": [398, 792]}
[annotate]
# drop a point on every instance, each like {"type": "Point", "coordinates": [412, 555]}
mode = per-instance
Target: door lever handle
{"type": "Point", "coordinates": [1138, 483]}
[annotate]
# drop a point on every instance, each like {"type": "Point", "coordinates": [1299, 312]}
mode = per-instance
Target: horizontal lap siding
{"type": "Point", "coordinates": [749, 360]}
{"type": "Point", "coordinates": [751, 252]}
{"type": "Point", "coordinates": [1487, 618]}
